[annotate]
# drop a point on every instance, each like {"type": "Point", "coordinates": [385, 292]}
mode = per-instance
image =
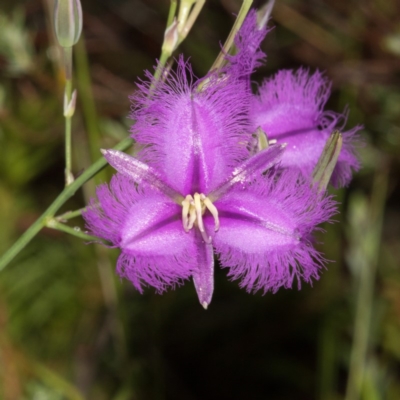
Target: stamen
{"type": "Point", "coordinates": [213, 210]}
{"type": "Point", "coordinates": [192, 217]}
{"type": "Point", "coordinates": [197, 206]}
{"type": "Point", "coordinates": [185, 212]}
{"type": "Point", "coordinates": [193, 209]}
{"type": "Point", "coordinates": [199, 215]}
{"type": "Point", "coordinates": [206, 238]}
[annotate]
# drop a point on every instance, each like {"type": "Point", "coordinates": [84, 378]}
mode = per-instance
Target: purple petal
{"type": "Point", "coordinates": [147, 227]}
{"type": "Point", "coordinates": [249, 56]}
{"type": "Point", "coordinates": [290, 109]}
{"type": "Point", "coordinates": [153, 226]}
{"type": "Point", "coordinates": [193, 136]}
{"type": "Point", "coordinates": [264, 232]}
{"type": "Point", "coordinates": [203, 275]}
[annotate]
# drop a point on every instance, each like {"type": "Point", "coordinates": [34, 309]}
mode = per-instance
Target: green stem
{"type": "Point", "coordinates": [184, 9]}
{"type": "Point", "coordinates": [161, 64]}
{"type": "Point", "coordinates": [171, 13]}
{"type": "Point", "coordinates": [87, 102]}
{"type": "Point", "coordinates": [67, 51]}
{"type": "Point", "coordinates": [183, 14]}
{"type": "Point", "coordinates": [67, 193]}
{"type": "Point", "coordinates": [68, 141]}
{"type": "Point", "coordinates": [70, 214]}
{"type": "Point", "coordinates": [53, 380]}
{"type": "Point", "coordinates": [165, 53]}
{"type": "Point", "coordinates": [191, 20]}
{"type": "Point", "coordinates": [368, 252]}
{"type": "Point", "coordinates": [53, 224]}
{"type": "Point", "coordinates": [229, 41]}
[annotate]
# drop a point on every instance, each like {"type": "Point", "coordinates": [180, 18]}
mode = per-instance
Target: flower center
{"type": "Point", "coordinates": [193, 208]}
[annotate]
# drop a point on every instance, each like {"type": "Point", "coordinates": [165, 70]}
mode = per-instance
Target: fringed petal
{"type": "Point", "coordinates": [194, 136]}
{"type": "Point", "coordinates": [147, 227]}
{"type": "Point", "coordinates": [289, 108]}
{"type": "Point", "coordinates": [264, 232]}
{"type": "Point", "coordinates": [249, 55]}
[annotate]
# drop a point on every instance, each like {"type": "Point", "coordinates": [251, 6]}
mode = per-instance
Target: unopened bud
{"type": "Point", "coordinates": [68, 21]}
{"type": "Point", "coordinates": [69, 106]}
{"type": "Point", "coordinates": [171, 38]}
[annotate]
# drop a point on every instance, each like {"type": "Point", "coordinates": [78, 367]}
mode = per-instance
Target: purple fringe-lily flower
{"type": "Point", "coordinates": [206, 181]}
{"type": "Point", "coordinates": [290, 109]}
{"type": "Point", "coordinates": [194, 190]}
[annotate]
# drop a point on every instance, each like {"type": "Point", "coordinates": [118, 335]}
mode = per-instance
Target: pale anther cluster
{"type": "Point", "coordinates": [193, 208]}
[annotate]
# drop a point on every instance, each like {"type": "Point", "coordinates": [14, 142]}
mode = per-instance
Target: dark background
{"type": "Point", "coordinates": [71, 329]}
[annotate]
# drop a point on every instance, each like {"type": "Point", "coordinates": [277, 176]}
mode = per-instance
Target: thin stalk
{"type": "Point", "coordinates": [68, 136]}
{"type": "Point", "coordinates": [110, 296]}
{"type": "Point", "coordinates": [191, 20]}
{"type": "Point", "coordinates": [368, 262]}
{"type": "Point", "coordinates": [185, 7]}
{"type": "Point", "coordinates": [171, 12]}
{"type": "Point", "coordinates": [91, 136]}
{"type": "Point", "coordinates": [53, 380]}
{"type": "Point", "coordinates": [229, 41]}
{"type": "Point", "coordinates": [87, 100]}
{"type": "Point", "coordinates": [67, 51]}
{"type": "Point", "coordinates": [67, 193]}
{"type": "Point", "coordinates": [54, 224]}
{"type": "Point", "coordinates": [166, 51]}
{"type": "Point", "coordinates": [161, 64]}
{"type": "Point", "coordinates": [70, 215]}
{"type": "Point", "coordinates": [186, 19]}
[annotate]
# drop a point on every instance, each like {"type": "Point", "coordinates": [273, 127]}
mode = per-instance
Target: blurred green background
{"type": "Point", "coordinates": [71, 329]}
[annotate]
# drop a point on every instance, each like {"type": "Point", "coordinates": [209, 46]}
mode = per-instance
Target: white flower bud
{"type": "Point", "coordinates": [68, 21]}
